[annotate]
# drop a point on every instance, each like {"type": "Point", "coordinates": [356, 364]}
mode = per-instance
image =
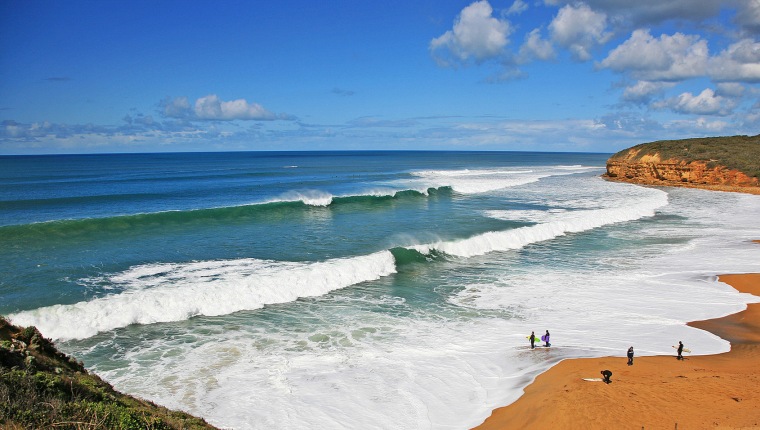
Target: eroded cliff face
{"type": "Point", "coordinates": [651, 170]}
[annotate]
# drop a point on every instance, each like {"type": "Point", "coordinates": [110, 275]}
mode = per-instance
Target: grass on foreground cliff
{"type": "Point", "coordinates": [741, 153]}
{"type": "Point", "coordinates": [42, 388]}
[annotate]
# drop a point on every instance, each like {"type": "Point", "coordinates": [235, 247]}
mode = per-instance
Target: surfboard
{"type": "Point", "coordinates": [684, 350]}
{"type": "Point", "coordinates": [592, 379]}
{"type": "Point", "coordinates": [543, 338]}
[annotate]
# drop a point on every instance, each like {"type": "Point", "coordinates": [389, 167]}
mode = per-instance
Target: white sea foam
{"type": "Point", "coordinates": [308, 197]}
{"type": "Point", "coordinates": [367, 361]}
{"type": "Point", "coordinates": [525, 215]}
{"type": "Point", "coordinates": [477, 181]}
{"type": "Point", "coordinates": [174, 292]}
{"type": "Point", "coordinates": [324, 198]}
{"type": "Point", "coordinates": [558, 224]}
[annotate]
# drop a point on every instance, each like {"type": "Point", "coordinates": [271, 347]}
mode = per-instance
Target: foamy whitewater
{"type": "Point", "coordinates": [360, 290]}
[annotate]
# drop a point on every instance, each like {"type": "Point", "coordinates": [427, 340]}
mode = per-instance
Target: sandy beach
{"type": "Point", "coordinates": [710, 391]}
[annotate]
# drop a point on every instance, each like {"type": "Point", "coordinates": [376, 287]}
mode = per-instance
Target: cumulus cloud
{"type": "Point", "coordinates": [536, 48]}
{"type": "Point", "coordinates": [748, 16]}
{"type": "Point", "coordinates": [579, 29]}
{"type": "Point", "coordinates": [644, 92]}
{"type": "Point", "coordinates": [518, 7]}
{"type": "Point", "coordinates": [667, 58]}
{"type": "Point", "coordinates": [476, 35]}
{"type": "Point", "coordinates": [739, 62]}
{"type": "Point", "coordinates": [705, 103]}
{"type": "Point", "coordinates": [178, 107]}
{"type": "Point", "coordinates": [212, 108]}
{"type": "Point", "coordinates": [651, 12]}
{"type": "Point", "coordinates": [730, 89]}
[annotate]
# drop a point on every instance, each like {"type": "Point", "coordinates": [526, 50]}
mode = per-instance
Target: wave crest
{"type": "Point", "coordinates": [174, 292]}
{"type": "Point", "coordinates": [560, 224]}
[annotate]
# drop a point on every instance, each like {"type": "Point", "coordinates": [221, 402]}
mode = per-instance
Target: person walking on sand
{"type": "Point", "coordinates": [546, 338]}
{"type": "Point", "coordinates": [680, 350]}
{"type": "Point", "coordinates": [630, 356]}
{"type": "Point", "coordinates": [532, 340]}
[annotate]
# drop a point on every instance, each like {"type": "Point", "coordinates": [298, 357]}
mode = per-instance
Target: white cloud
{"type": "Point", "coordinates": [644, 91]}
{"type": "Point", "coordinates": [476, 34]}
{"type": "Point", "coordinates": [579, 29]}
{"type": "Point", "coordinates": [178, 107]}
{"type": "Point", "coordinates": [651, 12]}
{"type": "Point", "coordinates": [518, 7]}
{"type": "Point", "coordinates": [730, 89]}
{"type": "Point", "coordinates": [740, 62]}
{"type": "Point", "coordinates": [748, 15]}
{"type": "Point", "coordinates": [700, 125]}
{"type": "Point", "coordinates": [667, 58]}
{"type": "Point", "coordinates": [536, 48]}
{"type": "Point", "coordinates": [212, 108]}
{"type": "Point", "coordinates": [705, 103]}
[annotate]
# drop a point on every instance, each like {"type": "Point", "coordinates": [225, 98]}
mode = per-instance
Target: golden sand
{"type": "Point", "coordinates": [719, 391]}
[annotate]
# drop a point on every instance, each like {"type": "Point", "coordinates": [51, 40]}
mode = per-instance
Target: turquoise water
{"type": "Point", "coordinates": [356, 289]}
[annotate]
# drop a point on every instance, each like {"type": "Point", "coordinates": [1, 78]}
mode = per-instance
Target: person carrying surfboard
{"type": "Point", "coordinates": [630, 356]}
{"type": "Point", "coordinates": [532, 340]}
{"type": "Point", "coordinates": [680, 350]}
{"type": "Point", "coordinates": [545, 338]}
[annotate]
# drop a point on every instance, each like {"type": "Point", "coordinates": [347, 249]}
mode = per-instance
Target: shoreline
{"type": "Point", "coordinates": [748, 189]}
{"type": "Point", "coordinates": [719, 390]}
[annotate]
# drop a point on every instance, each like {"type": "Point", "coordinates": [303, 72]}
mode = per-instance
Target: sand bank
{"type": "Point", "coordinates": [712, 391]}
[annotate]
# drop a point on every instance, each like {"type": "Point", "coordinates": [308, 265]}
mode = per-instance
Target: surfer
{"type": "Point", "coordinates": [606, 374]}
{"type": "Point", "coordinates": [546, 338]}
{"type": "Point", "coordinates": [532, 340]}
{"type": "Point", "coordinates": [680, 350]}
{"type": "Point", "coordinates": [630, 356]}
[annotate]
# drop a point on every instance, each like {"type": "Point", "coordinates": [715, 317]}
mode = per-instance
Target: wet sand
{"type": "Point", "coordinates": [719, 391]}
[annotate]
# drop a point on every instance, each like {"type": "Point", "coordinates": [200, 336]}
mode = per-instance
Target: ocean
{"type": "Point", "coordinates": [345, 290]}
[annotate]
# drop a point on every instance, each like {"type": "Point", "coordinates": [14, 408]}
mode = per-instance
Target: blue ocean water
{"type": "Point", "coordinates": [357, 289]}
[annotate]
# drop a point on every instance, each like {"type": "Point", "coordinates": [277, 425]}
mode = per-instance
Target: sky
{"type": "Point", "coordinates": [517, 75]}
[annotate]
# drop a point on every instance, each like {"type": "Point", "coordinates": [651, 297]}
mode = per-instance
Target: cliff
{"type": "Point", "coordinates": [40, 387]}
{"type": "Point", "coordinates": [718, 163]}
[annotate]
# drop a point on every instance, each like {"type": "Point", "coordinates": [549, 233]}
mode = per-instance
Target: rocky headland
{"type": "Point", "coordinates": [40, 387]}
{"type": "Point", "coordinates": [730, 163]}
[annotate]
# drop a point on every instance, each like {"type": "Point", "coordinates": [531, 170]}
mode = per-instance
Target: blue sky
{"type": "Point", "coordinates": [535, 75]}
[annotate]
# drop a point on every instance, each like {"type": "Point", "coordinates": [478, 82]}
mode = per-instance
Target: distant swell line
{"type": "Point", "coordinates": [287, 202]}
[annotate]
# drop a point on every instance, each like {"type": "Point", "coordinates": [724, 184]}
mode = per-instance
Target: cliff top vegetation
{"type": "Point", "coordinates": [40, 387]}
{"type": "Point", "coordinates": [740, 153]}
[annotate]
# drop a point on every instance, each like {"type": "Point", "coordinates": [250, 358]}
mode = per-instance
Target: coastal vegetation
{"type": "Point", "coordinates": [40, 387]}
{"type": "Point", "coordinates": [740, 153]}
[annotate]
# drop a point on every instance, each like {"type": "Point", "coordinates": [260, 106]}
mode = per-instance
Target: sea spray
{"type": "Point", "coordinates": [556, 224]}
{"type": "Point", "coordinates": [174, 292]}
